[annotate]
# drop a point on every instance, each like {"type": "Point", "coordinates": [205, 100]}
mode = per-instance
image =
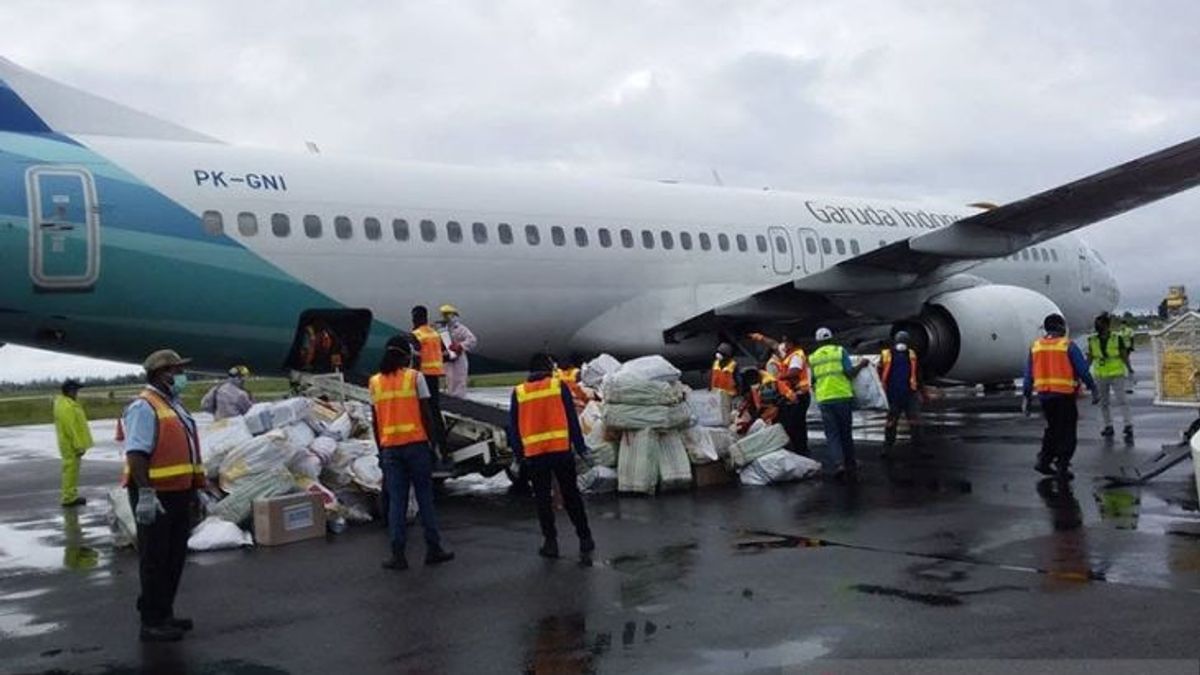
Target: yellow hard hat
{"type": "Point", "coordinates": [448, 309]}
{"type": "Point", "coordinates": [239, 371]}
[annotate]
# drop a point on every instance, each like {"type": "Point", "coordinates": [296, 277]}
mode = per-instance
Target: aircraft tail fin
{"type": "Point", "coordinates": [32, 104]}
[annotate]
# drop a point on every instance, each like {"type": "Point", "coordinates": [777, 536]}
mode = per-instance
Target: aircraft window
{"type": "Point", "coordinates": [247, 224]}
{"type": "Point", "coordinates": [780, 244]}
{"type": "Point", "coordinates": [826, 247]}
{"type": "Point", "coordinates": [372, 228]}
{"type": "Point", "coordinates": [626, 238]}
{"type": "Point", "coordinates": [505, 231]}
{"type": "Point", "coordinates": [428, 230]}
{"type": "Point", "coordinates": [705, 241]}
{"type": "Point", "coordinates": [214, 224]}
{"type": "Point", "coordinates": [723, 241]}
{"type": "Point", "coordinates": [741, 243]}
{"type": "Point", "coordinates": [810, 245]}
{"type": "Point", "coordinates": [558, 236]}
{"type": "Point", "coordinates": [532, 236]}
{"type": "Point", "coordinates": [841, 246]}
{"type": "Point", "coordinates": [454, 232]}
{"type": "Point", "coordinates": [281, 226]}
{"type": "Point", "coordinates": [685, 241]}
{"type": "Point", "coordinates": [1025, 254]}
{"type": "Point", "coordinates": [605, 237]}
{"type": "Point", "coordinates": [668, 240]}
{"type": "Point", "coordinates": [312, 226]}
{"type": "Point", "coordinates": [581, 237]}
{"type": "Point", "coordinates": [479, 233]}
{"type": "Point", "coordinates": [854, 248]}
{"type": "Point", "coordinates": [647, 239]}
{"type": "Point", "coordinates": [761, 242]}
{"type": "Point", "coordinates": [1054, 254]}
{"type": "Point", "coordinates": [1045, 255]}
{"type": "Point", "coordinates": [400, 229]}
{"type": "Point", "coordinates": [342, 227]}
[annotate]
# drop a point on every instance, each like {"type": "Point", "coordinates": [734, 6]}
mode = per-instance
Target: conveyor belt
{"type": "Point", "coordinates": [472, 410]}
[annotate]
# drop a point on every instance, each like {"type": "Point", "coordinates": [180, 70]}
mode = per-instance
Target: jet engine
{"type": "Point", "coordinates": [979, 334]}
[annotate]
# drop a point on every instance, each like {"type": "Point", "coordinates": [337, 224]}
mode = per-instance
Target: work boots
{"type": "Point", "coordinates": [889, 441]}
{"type": "Point", "coordinates": [1128, 433]}
{"type": "Point", "coordinates": [162, 633]}
{"type": "Point", "coordinates": [398, 562]}
{"type": "Point", "coordinates": [437, 555]}
{"type": "Point", "coordinates": [549, 548]}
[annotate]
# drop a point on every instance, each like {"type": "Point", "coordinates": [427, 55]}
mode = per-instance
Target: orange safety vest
{"type": "Point", "coordinates": [885, 364]}
{"type": "Point", "coordinates": [175, 463]}
{"type": "Point", "coordinates": [568, 375]}
{"type": "Point", "coordinates": [803, 383]}
{"type": "Point", "coordinates": [397, 408]}
{"type": "Point", "coordinates": [542, 418]}
{"type": "Point", "coordinates": [722, 377]}
{"type": "Point", "coordinates": [1052, 369]}
{"type": "Point", "coordinates": [431, 351]}
{"type": "Point", "coordinates": [785, 390]}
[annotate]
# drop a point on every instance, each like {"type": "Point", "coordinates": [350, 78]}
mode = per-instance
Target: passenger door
{"type": "Point", "coordinates": [810, 250]}
{"type": "Point", "coordinates": [1085, 270]}
{"type": "Point", "coordinates": [64, 229]}
{"type": "Point", "coordinates": [780, 243]}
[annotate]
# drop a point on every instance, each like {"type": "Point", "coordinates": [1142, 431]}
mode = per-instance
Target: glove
{"type": "Point", "coordinates": [1025, 406]}
{"type": "Point", "coordinates": [148, 507]}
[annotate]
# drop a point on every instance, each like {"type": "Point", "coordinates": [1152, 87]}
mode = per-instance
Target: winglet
{"type": "Point", "coordinates": [32, 104]}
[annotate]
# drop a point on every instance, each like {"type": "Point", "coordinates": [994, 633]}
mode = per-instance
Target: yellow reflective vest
{"type": "Point", "coordinates": [828, 369]}
{"type": "Point", "coordinates": [70, 421]}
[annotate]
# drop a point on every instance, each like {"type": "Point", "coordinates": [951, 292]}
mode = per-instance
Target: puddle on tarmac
{"type": "Point", "coordinates": [562, 644]}
{"type": "Point", "coordinates": [19, 625]}
{"type": "Point", "coordinates": [646, 576]}
{"type": "Point", "coordinates": [53, 543]}
{"type": "Point", "coordinates": [791, 653]}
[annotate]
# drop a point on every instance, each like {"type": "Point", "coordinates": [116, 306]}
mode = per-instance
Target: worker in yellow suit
{"type": "Point", "coordinates": [74, 439]}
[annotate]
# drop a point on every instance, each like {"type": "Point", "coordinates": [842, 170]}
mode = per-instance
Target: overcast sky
{"type": "Point", "coordinates": [963, 101]}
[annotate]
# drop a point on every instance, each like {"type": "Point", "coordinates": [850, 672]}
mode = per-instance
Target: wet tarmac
{"type": "Point", "coordinates": [960, 553]}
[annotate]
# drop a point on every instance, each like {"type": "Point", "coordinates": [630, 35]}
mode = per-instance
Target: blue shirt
{"type": "Point", "coordinates": [141, 425]}
{"type": "Point", "coordinates": [1078, 364]}
{"type": "Point", "coordinates": [897, 384]}
{"type": "Point", "coordinates": [513, 431]}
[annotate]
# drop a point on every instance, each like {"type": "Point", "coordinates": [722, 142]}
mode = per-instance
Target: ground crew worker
{"type": "Point", "coordinates": [1108, 356]}
{"type": "Point", "coordinates": [163, 471]}
{"type": "Point", "coordinates": [402, 417]}
{"type": "Point", "coordinates": [766, 396]}
{"type": "Point", "coordinates": [321, 350]}
{"type": "Point", "coordinates": [543, 430]}
{"type": "Point", "coordinates": [433, 367]}
{"type": "Point", "coordinates": [723, 376]}
{"type": "Point", "coordinates": [832, 375]}
{"type": "Point", "coordinates": [1054, 369]}
{"type": "Point", "coordinates": [462, 340]}
{"type": "Point", "coordinates": [788, 363]}
{"type": "Point", "coordinates": [229, 398]}
{"type": "Point", "coordinates": [74, 439]}
{"type": "Point", "coordinates": [899, 370]}
{"type": "Point", "coordinates": [568, 373]}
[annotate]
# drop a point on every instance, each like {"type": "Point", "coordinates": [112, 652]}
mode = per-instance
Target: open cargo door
{"type": "Point", "coordinates": [328, 339]}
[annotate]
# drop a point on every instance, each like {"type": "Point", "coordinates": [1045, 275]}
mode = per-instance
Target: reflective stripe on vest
{"type": "Point", "coordinates": [431, 351]}
{"type": "Point", "coordinates": [1052, 369]}
{"type": "Point", "coordinates": [1107, 362]}
{"type": "Point", "coordinates": [541, 418]}
{"type": "Point", "coordinates": [885, 360]}
{"type": "Point", "coordinates": [175, 462]}
{"type": "Point", "coordinates": [829, 372]}
{"type": "Point", "coordinates": [397, 408]}
{"type": "Point", "coordinates": [567, 374]}
{"type": "Point", "coordinates": [764, 379]}
{"type": "Point", "coordinates": [722, 377]}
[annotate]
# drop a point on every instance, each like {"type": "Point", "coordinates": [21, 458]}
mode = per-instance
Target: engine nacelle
{"type": "Point", "coordinates": [979, 334]}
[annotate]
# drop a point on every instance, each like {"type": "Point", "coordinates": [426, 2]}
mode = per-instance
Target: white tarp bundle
{"type": "Point", "coordinates": [674, 466]}
{"type": "Point", "coordinates": [637, 470]}
{"type": "Point", "coordinates": [598, 480]}
{"type": "Point", "coordinates": [653, 367]}
{"type": "Point", "coordinates": [625, 417]}
{"type": "Point", "coordinates": [592, 373]}
{"type": "Point", "coordinates": [237, 505]}
{"type": "Point", "coordinates": [769, 439]}
{"type": "Point", "coordinates": [868, 391]}
{"type": "Point", "coordinates": [632, 389]}
{"type": "Point", "coordinates": [214, 534]}
{"type": "Point", "coordinates": [254, 457]}
{"type": "Point", "coordinates": [478, 484]}
{"type": "Point", "coordinates": [780, 466]}
{"type": "Point", "coordinates": [221, 437]}
{"type": "Point", "coordinates": [699, 445]}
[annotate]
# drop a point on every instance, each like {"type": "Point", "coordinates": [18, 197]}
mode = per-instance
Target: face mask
{"type": "Point", "coordinates": [179, 383]}
{"type": "Point", "coordinates": [901, 347]}
{"type": "Point", "coordinates": [720, 356]}
{"type": "Point", "coordinates": [452, 321]}
{"type": "Point", "coordinates": [781, 350]}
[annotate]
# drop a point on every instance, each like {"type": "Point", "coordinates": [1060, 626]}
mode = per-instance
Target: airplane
{"type": "Point", "coordinates": [121, 233]}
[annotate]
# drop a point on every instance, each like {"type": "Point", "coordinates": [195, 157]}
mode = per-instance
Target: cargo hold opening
{"type": "Point", "coordinates": [328, 339]}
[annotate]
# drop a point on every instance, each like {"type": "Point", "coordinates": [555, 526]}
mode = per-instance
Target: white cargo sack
{"type": "Point", "coordinates": [598, 480]}
{"type": "Point", "coordinates": [592, 373]}
{"type": "Point", "coordinates": [323, 447]}
{"type": "Point", "coordinates": [637, 470]}
{"type": "Point", "coordinates": [299, 435]}
{"type": "Point", "coordinates": [214, 534]}
{"type": "Point", "coordinates": [367, 473]}
{"type": "Point", "coordinates": [624, 417]}
{"type": "Point", "coordinates": [305, 464]}
{"type": "Point", "coordinates": [868, 391]}
{"type": "Point", "coordinates": [290, 411]}
{"type": "Point", "coordinates": [721, 438]}
{"type": "Point", "coordinates": [254, 457]}
{"type": "Point", "coordinates": [632, 389]}
{"type": "Point", "coordinates": [478, 484]}
{"type": "Point", "coordinates": [711, 408]}
{"type": "Point", "coordinates": [674, 466]}
{"type": "Point", "coordinates": [770, 439]}
{"type": "Point", "coordinates": [780, 466]}
{"type": "Point", "coordinates": [258, 418]}
{"type": "Point", "coordinates": [219, 438]}
{"type": "Point", "coordinates": [237, 505]}
{"type": "Point", "coordinates": [699, 445]}
{"type": "Point", "coordinates": [120, 518]}
{"type": "Point", "coordinates": [589, 417]}
{"type": "Point", "coordinates": [653, 367]}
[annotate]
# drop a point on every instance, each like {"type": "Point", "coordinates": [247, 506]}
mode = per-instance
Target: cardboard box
{"type": "Point", "coordinates": [711, 474]}
{"type": "Point", "coordinates": [288, 518]}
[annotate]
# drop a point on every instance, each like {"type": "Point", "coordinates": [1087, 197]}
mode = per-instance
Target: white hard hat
{"type": "Point", "coordinates": [823, 334]}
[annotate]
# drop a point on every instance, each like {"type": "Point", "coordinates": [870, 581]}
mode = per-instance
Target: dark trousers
{"type": "Point", "coordinates": [838, 420]}
{"type": "Point", "coordinates": [907, 404]}
{"type": "Point", "coordinates": [404, 466]}
{"type": "Point", "coordinates": [435, 406]}
{"type": "Point", "coordinates": [162, 549]}
{"type": "Point", "coordinates": [794, 418]}
{"type": "Point", "coordinates": [1058, 440]}
{"type": "Point", "coordinates": [559, 466]}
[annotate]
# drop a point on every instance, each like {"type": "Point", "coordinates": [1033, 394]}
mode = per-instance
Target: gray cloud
{"type": "Point", "coordinates": [955, 100]}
